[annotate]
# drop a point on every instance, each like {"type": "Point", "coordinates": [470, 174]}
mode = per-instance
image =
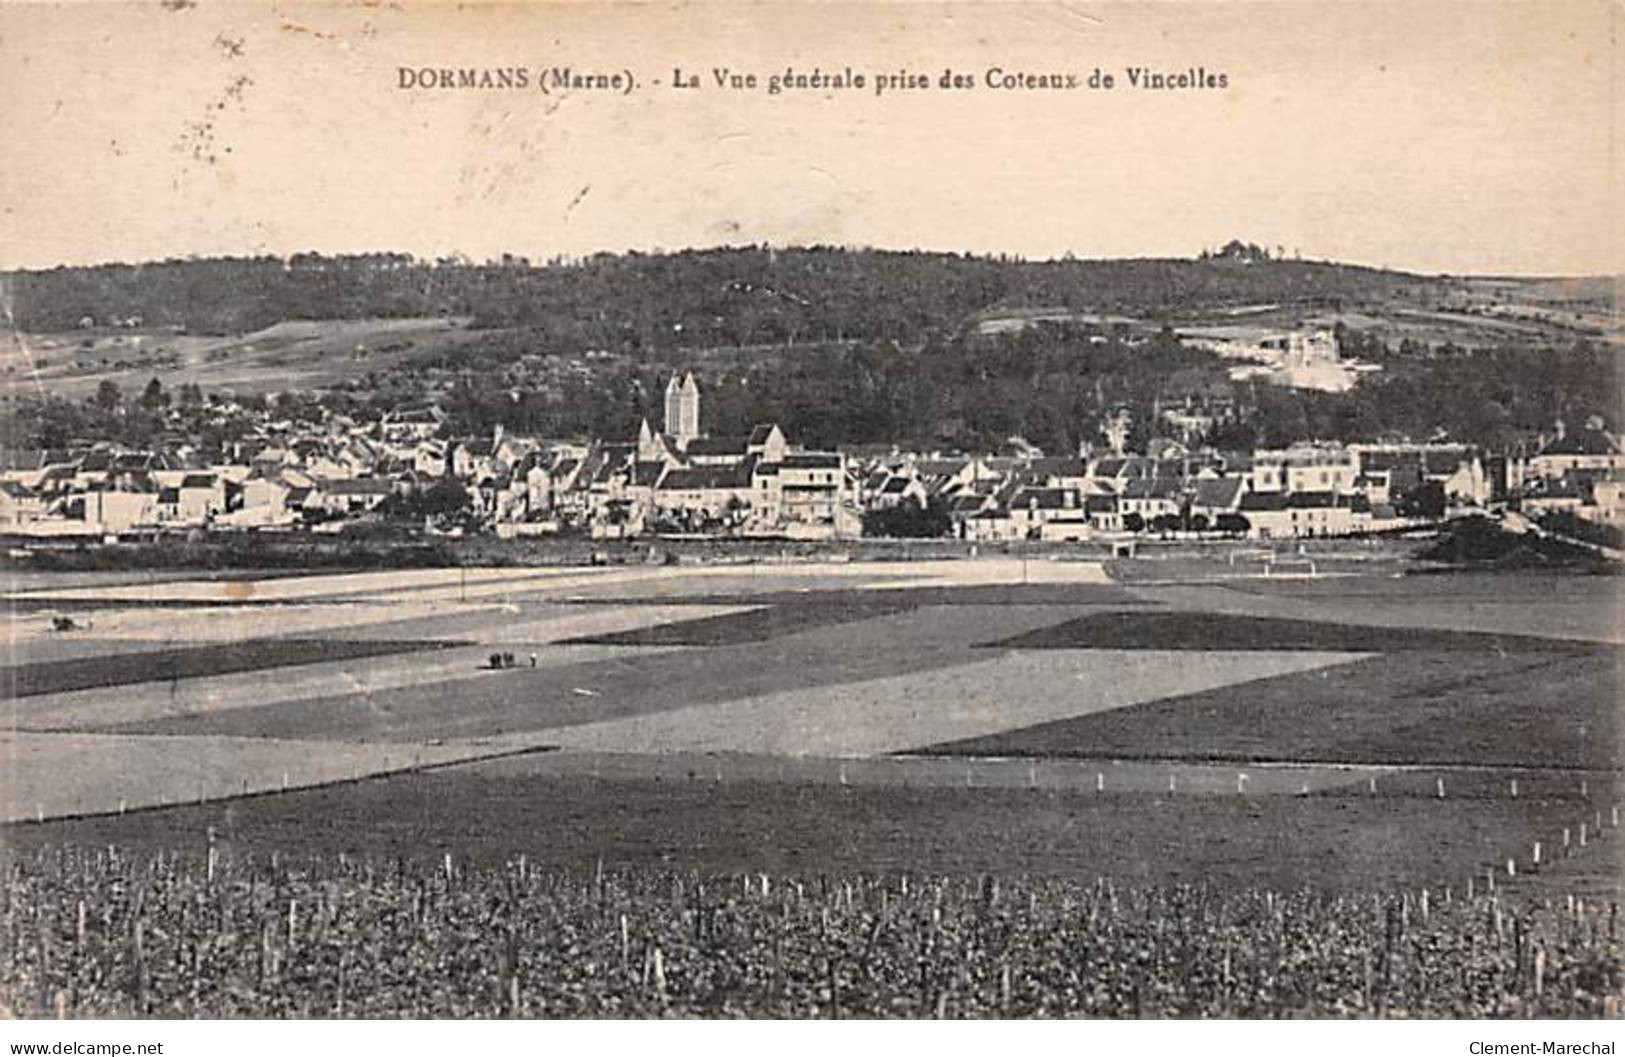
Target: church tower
{"type": "Point", "coordinates": [683, 409]}
{"type": "Point", "coordinates": [650, 449]}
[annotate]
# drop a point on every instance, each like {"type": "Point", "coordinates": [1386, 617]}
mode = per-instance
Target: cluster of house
{"type": "Point", "coordinates": [1302, 491]}
{"type": "Point", "coordinates": [1580, 472]}
{"type": "Point", "coordinates": [681, 481]}
{"type": "Point", "coordinates": [287, 475]}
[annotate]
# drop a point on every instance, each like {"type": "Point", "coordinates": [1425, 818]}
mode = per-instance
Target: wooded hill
{"type": "Point", "coordinates": [860, 346]}
{"type": "Point", "coordinates": [730, 296]}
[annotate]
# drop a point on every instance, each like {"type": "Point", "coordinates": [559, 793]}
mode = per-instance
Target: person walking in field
{"type": "Point", "coordinates": [533, 660]}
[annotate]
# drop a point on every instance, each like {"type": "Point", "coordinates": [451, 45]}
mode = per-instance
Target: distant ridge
{"type": "Point", "coordinates": [662, 299]}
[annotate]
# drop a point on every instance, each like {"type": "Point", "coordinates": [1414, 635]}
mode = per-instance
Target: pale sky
{"type": "Point", "coordinates": [1432, 136]}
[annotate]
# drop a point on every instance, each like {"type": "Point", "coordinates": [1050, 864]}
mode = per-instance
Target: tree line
{"type": "Point", "coordinates": [636, 301]}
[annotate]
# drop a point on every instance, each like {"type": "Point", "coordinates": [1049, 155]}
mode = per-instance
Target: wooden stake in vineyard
{"type": "Point", "coordinates": [140, 967]}
{"type": "Point", "coordinates": [265, 954]}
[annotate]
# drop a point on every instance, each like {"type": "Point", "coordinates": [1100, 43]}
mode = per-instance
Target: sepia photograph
{"type": "Point", "coordinates": [585, 511]}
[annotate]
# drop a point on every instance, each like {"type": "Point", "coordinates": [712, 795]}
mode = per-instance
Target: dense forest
{"type": "Point", "coordinates": [731, 296]}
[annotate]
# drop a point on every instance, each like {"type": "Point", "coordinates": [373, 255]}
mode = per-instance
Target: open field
{"type": "Point", "coordinates": [487, 813]}
{"type": "Point", "coordinates": [373, 678]}
{"type": "Point", "coordinates": [1201, 632]}
{"type": "Point", "coordinates": [1471, 312]}
{"type": "Point", "coordinates": [904, 712]}
{"type": "Point", "coordinates": [1565, 608]}
{"type": "Point", "coordinates": [1554, 710]}
{"type": "Point", "coordinates": [19, 579]}
{"type": "Point", "coordinates": [640, 684]}
{"type": "Point", "coordinates": [304, 354]}
{"type": "Point", "coordinates": [615, 583]}
{"type": "Point", "coordinates": [252, 655]}
{"type": "Point", "coordinates": [788, 674]}
{"type": "Point", "coordinates": [57, 774]}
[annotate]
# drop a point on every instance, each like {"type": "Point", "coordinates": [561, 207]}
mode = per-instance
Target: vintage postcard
{"type": "Point", "coordinates": [543, 511]}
